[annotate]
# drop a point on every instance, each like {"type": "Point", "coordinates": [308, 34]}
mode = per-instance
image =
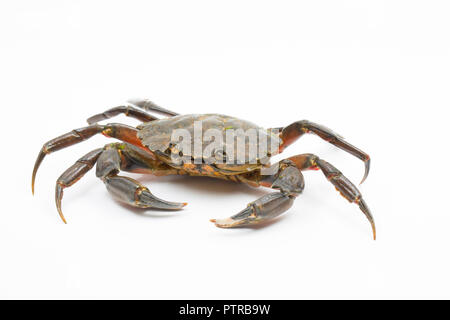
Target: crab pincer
{"type": "Point", "coordinates": [266, 208]}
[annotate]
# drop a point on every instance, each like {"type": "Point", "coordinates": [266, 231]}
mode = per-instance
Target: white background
{"type": "Point", "coordinates": [377, 72]}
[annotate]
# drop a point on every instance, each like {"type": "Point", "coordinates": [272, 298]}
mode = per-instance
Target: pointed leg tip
{"type": "Point", "coordinates": [367, 169]}
{"type": "Point", "coordinates": [147, 200]}
{"type": "Point", "coordinates": [218, 223]}
{"type": "Point", "coordinates": [170, 205]}
{"type": "Point", "coordinates": [33, 179]}
{"type": "Point", "coordinates": [62, 216]}
{"type": "Point", "coordinates": [32, 183]}
{"type": "Point", "coordinates": [364, 178]}
{"type": "Point", "coordinates": [37, 164]}
{"type": "Point", "coordinates": [177, 206]}
{"type": "Point", "coordinates": [365, 210]}
{"type": "Point", "coordinates": [224, 223]}
{"type": "Point", "coordinates": [58, 198]}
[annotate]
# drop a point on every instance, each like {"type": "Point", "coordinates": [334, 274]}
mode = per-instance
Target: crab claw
{"type": "Point", "coordinates": [265, 208]}
{"type": "Point", "coordinates": [148, 200]}
{"type": "Point", "coordinates": [129, 191]}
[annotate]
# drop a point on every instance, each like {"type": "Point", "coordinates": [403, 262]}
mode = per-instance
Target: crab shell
{"type": "Point", "coordinates": [231, 151]}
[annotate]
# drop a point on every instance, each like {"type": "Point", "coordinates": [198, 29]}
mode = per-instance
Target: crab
{"type": "Point", "coordinates": [150, 149]}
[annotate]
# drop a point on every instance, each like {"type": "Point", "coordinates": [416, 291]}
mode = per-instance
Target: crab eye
{"type": "Point", "coordinates": [220, 155]}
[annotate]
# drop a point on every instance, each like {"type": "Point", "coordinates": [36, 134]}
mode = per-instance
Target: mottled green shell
{"type": "Point", "coordinates": [158, 137]}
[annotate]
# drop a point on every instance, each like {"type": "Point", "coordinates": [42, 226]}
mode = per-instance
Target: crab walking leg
{"type": "Point", "coordinates": [288, 180]}
{"type": "Point", "coordinates": [148, 105]}
{"type": "Point", "coordinates": [295, 130]}
{"type": "Point", "coordinates": [129, 111]}
{"type": "Point", "coordinates": [114, 130]}
{"type": "Point", "coordinates": [125, 189]}
{"type": "Point", "coordinates": [110, 160]}
{"type": "Point", "coordinates": [73, 174]}
{"type": "Point", "coordinates": [345, 187]}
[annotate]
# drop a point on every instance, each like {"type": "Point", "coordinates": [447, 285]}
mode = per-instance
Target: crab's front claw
{"type": "Point", "coordinates": [263, 209]}
{"type": "Point", "coordinates": [129, 191]}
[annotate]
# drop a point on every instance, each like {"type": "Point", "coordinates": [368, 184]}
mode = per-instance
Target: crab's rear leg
{"type": "Point", "coordinates": [295, 130]}
{"type": "Point", "coordinates": [133, 112]}
{"type": "Point", "coordinates": [342, 184]}
{"type": "Point", "coordinates": [110, 160]}
{"type": "Point", "coordinates": [129, 111]}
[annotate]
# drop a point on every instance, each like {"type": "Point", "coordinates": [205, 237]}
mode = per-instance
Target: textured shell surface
{"type": "Point", "coordinates": [224, 149]}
